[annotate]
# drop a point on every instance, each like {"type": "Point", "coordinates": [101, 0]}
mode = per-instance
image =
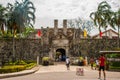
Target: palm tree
{"type": "Point", "coordinates": [97, 19]}
{"type": "Point", "coordinates": [27, 31]}
{"type": "Point", "coordinates": [102, 17]}
{"type": "Point", "coordinates": [115, 21]}
{"type": "Point", "coordinates": [21, 14]}
{"type": "Point", "coordinates": [105, 9]}
{"type": "Point", "coordinates": [118, 20]}
{"type": "Point", "coordinates": [2, 18]}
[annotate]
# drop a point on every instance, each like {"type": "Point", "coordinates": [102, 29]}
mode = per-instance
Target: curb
{"type": "Point", "coordinates": [21, 73]}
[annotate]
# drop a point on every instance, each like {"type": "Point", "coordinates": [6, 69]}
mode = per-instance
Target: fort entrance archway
{"type": "Point", "coordinates": [61, 54]}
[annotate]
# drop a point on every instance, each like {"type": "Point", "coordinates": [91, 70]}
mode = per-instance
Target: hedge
{"type": "Point", "coordinates": [9, 69]}
{"type": "Point", "coordinates": [16, 68]}
{"type": "Point", "coordinates": [30, 65]}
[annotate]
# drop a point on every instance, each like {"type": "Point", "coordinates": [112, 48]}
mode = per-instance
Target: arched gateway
{"type": "Point", "coordinates": [58, 40]}
{"type": "Point", "coordinates": [61, 54]}
{"type": "Point", "coordinates": [59, 49]}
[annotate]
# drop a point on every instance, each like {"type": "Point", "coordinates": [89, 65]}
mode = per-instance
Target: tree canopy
{"type": "Point", "coordinates": [18, 16]}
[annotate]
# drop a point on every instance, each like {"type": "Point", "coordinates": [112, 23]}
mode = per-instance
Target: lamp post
{"type": "Point", "coordinates": [38, 57]}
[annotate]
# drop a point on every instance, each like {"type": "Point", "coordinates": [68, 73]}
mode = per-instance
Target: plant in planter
{"type": "Point", "coordinates": [51, 61]}
{"type": "Point", "coordinates": [80, 62]}
{"type": "Point", "coordinates": [45, 61]}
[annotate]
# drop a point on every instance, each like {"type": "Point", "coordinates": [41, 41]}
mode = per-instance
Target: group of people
{"type": "Point", "coordinates": [99, 64]}
{"type": "Point", "coordinates": [94, 63]}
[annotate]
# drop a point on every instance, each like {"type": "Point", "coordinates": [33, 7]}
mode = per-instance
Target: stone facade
{"type": "Point", "coordinates": [28, 49]}
{"type": "Point", "coordinates": [59, 39]}
{"type": "Point", "coordinates": [70, 41]}
{"type": "Point", "coordinates": [60, 42]}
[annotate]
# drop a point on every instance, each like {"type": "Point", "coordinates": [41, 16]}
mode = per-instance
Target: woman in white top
{"type": "Point", "coordinates": [68, 63]}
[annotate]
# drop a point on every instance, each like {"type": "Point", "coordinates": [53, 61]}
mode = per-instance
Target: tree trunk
{"type": "Point", "coordinates": [99, 30]}
{"type": "Point", "coordinates": [2, 29]}
{"type": "Point", "coordinates": [106, 38]}
{"type": "Point", "coordinates": [118, 37]}
{"type": "Point", "coordinates": [14, 27]}
{"type": "Point", "coordinates": [13, 47]}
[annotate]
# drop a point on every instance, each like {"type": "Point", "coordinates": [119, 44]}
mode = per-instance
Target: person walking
{"type": "Point", "coordinates": [68, 63]}
{"type": "Point", "coordinates": [91, 62]}
{"type": "Point", "coordinates": [102, 66]}
{"type": "Point", "coordinates": [97, 64]}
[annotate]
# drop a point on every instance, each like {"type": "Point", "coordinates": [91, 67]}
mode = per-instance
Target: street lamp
{"type": "Point", "coordinates": [39, 36]}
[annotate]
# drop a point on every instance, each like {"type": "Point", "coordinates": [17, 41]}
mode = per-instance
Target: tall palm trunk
{"type": "Point", "coordinates": [14, 27]}
{"type": "Point", "coordinates": [13, 46]}
{"type": "Point", "coordinates": [118, 37]}
{"type": "Point", "coordinates": [99, 30]}
{"type": "Point", "coordinates": [2, 29]}
{"type": "Point", "coordinates": [106, 37]}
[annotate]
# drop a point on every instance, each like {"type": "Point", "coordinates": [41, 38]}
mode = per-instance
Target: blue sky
{"type": "Point", "coordinates": [48, 10]}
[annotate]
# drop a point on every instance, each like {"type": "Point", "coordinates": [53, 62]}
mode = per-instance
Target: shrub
{"type": "Point", "coordinates": [114, 55]}
{"type": "Point", "coordinates": [115, 64]}
{"type": "Point", "coordinates": [81, 58]}
{"type": "Point", "coordinates": [16, 68]}
{"type": "Point", "coordinates": [29, 66]}
{"type": "Point", "coordinates": [9, 69]}
{"type": "Point", "coordinates": [20, 62]}
{"type": "Point", "coordinates": [30, 61]}
{"type": "Point", "coordinates": [47, 61]}
{"type": "Point", "coordinates": [117, 68]}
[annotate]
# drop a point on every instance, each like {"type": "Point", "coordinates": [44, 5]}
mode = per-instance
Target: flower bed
{"type": "Point", "coordinates": [16, 66]}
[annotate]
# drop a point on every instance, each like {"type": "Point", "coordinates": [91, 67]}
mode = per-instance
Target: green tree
{"type": "Point", "coordinates": [115, 21]}
{"type": "Point", "coordinates": [2, 18]}
{"type": "Point", "coordinates": [102, 17]}
{"type": "Point", "coordinates": [20, 15]}
{"type": "Point", "coordinates": [106, 14]}
{"type": "Point", "coordinates": [27, 31]}
{"type": "Point", "coordinates": [97, 19]}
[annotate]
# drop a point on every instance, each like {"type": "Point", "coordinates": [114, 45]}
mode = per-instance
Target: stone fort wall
{"type": "Point", "coordinates": [28, 49]}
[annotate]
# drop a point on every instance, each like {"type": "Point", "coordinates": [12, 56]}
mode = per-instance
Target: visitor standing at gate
{"type": "Point", "coordinates": [68, 63]}
{"type": "Point", "coordinates": [102, 66]}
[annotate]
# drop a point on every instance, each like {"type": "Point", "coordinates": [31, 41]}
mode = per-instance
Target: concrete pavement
{"type": "Point", "coordinates": [59, 72]}
{"type": "Point", "coordinates": [59, 68]}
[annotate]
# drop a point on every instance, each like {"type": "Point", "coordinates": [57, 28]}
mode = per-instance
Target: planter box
{"type": "Point", "coordinates": [45, 63]}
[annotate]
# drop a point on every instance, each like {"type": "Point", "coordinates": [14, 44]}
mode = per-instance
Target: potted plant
{"type": "Point", "coordinates": [45, 61]}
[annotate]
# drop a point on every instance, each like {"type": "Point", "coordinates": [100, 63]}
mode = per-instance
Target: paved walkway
{"type": "Point", "coordinates": [59, 72]}
{"type": "Point", "coordinates": [88, 73]}
{"type": "Point", "coordinates": [59, 68]}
